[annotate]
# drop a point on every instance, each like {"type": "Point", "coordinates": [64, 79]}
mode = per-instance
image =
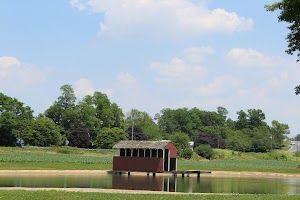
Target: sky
{"type": "Point", "coordinates": [150, 55]}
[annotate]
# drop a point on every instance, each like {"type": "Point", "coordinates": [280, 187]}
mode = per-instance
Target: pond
{"type": "Point", "coordinates": [204, 184]}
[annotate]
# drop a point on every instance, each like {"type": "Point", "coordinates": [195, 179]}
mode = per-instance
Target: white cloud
{"type": "Point", "coordinates": [126, 80]}
{"type": "Point", "coordinates": [15, 73]}
{"type": "Point", "coordinates": [85, 87]}
{"type": "Point", "coordinates": [254, 58]}
{"type": "Point", "coordinates": [176, 70]}
{"type": "Point", "coordinates": [186, 68]}
{"type": "Point", "coordinates": [196, 54]}
{"type": "Point", "coordinates": [255, 95]}
{"type": "Point", "coordinates": [77, 4]}
{"type": "Point", "coordinates": [162, 17]}
{"type": "Point", "coordinates": [220, 85]}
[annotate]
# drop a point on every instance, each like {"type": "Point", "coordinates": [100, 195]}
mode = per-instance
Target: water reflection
{"type": "Point", "coordinates": [204, 184]}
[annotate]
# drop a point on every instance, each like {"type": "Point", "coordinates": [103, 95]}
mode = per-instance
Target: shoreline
{"type": "Point", "coordinates": [107, 172]}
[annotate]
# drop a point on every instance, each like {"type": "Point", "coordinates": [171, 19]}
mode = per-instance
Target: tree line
{"type": "Point", "coordinates": [96, 122]}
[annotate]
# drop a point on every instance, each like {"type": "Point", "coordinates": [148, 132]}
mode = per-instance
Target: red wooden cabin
{"type": "Point", "coordinates": [145, 156]}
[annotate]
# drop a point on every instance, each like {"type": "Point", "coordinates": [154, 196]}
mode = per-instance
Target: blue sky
{"type": "Point", "coordinates": [150, 55]}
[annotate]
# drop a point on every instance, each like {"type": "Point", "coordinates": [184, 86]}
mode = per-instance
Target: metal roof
{"type": "Point", "coordinates": [129, 144]}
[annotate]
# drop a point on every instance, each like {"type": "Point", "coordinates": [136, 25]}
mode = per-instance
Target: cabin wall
{"type": "Point", "coordinates": [137, 164]}
{"type": "Point", "coordinates": [173, 150]}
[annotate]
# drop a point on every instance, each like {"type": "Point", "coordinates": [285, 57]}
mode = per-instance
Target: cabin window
{"type": "Point", "coordinates": [154, 153]}
{"type": "Point", "coordinates": [147, 153]}
{"type": "Point", "coordinates": [122, 152]}
{"type": "Point", "coordinates": [160, 153]}
{"type": "Point", "coordinates": [128, 152]}
{"type": "Point", "coordinates": [141, 153]}
{"type": "Point", "coordinates": [135, 153]}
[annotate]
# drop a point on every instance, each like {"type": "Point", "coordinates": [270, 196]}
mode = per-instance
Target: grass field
{"type": "Point", "coordinates": [57, 195]}
{"type": "Point", "coordinates": [65, 158]}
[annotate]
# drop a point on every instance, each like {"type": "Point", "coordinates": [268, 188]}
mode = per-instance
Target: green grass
{"type": "Point", "coordinates": [242, 165]}
{"type": "Point", "coordinates": [52, 166]}
{"type": "Point", "coordinates": [68, 158]}
{"type": "Point", "coordinates": [57, 195]}
{"type": "Point", "coordinates": [60, 158]}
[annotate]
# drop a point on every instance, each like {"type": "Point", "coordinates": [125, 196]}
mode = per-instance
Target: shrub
{"type": "Point", "coordinates": [279, 155]}
{"type": "Point", "coordinates": [205, 151]}
{"type": "Point", "coordinates": [297, 154]}
{"type": "Point", "coordinates": [186, 153]}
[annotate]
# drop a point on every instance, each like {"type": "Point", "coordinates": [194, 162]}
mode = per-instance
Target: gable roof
{"type": "Point", "coordinates": [129, 144]}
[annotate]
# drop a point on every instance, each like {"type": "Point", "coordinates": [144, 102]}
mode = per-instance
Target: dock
{"type": "Point", "coordinates": [174, 172]}
{"type": "Point", "coordinates": [188, 172]}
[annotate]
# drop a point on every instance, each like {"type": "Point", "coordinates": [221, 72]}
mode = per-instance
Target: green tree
{"type": "Point", "coordinates": [204, 151]}
{"type": "Point", "coordinates": [13, 114]}
{"type": "Point", "coordinates": [289, 13]}
{"type": "Point", "coordinates": [180, 140]}
{"type": "Point", "coordinates": [63, 111]}
{"type": "Point", "coordinates": [142, 123]}
{"type": "Point", "coordinates": [261, 140]}
{"type": "Point", "coordinates": [40, 132]}
{"type": "Point", "coordinates": [103, 109]}
{"type": "Point", "coordinates": [108, 137]}
{"type": "Point", "coordinates": [79, 136]}
{"type": "Point", "coordinates": [222, 111]}
{"type": "Point", "coordinates": [297, 90]}
{"type": "Point", "coordinates": [278, 132]}
{"type": "Point", "coordinates": [242, 121]}
{"type": "Point", "coordinates": [211, 138]}
{"type": "Point", "coordinates": [87, 116]}
{"type": "Point", "coordinates": [238, 141]}
{"type": "Point", "coordinates": [255, 118]}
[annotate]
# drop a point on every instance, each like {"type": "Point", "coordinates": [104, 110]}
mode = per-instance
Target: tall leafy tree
{"type": "Point", "coordinates": [297, 90]}
{"type": "Point", "coordinates": [62, 111]}
{"type": "Point", "coordinates": [108, 137]}
{"type": "Point", "coordinates": [289, 13]}
{"type": "Point", "coordinates": [40, 132]}
{"type": "Point", "coordinates": [79, 136]}
{"type": "Point", "coordinates": [256, 118]}
{"type": "Point", "coordinates": [238, 141]}
{"type": "Point", "coordinates": [103, 109]}
{"type": "Point", "coordinates": [261, 140]}
{"type": "Point", "coordinates": [242, 121]}
{"type": "Point", "coordinates": [142, 124]}
{"type": "Point", "coordinates": [279, 132]}
{"type": "Point", "coordinates": [13, 114]}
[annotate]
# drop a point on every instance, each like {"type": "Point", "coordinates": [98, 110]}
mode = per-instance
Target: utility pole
{"type": "Point", "coordinates": [132, 125]}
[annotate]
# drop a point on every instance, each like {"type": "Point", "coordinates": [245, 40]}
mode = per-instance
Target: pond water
{"type": "Point", "coordinates": [204, 184]}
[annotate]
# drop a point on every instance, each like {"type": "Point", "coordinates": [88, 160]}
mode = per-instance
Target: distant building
{"type": "Point", "coordinates": [145, 156]}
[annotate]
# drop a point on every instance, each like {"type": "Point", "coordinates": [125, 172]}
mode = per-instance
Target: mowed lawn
{"type": "Point", "coordinates": [45, 195]}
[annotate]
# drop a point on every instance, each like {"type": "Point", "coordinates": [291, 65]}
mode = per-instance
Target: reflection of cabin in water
{"type": "Point", "coordinates": [145, 156]}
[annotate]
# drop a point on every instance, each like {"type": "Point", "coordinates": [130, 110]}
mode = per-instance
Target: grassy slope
{"type": "Point", "coordinates": [31, 195]}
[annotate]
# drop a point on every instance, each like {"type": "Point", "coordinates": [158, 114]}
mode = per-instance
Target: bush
{"type": "Point", "coordinates": [186, 153]}
{"type": "Point", "coordinates": [204, 151]}
{"type": "Point", "coordinates": [279, 155]}
{"type": "Point", "coordinates": [297, 154]}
